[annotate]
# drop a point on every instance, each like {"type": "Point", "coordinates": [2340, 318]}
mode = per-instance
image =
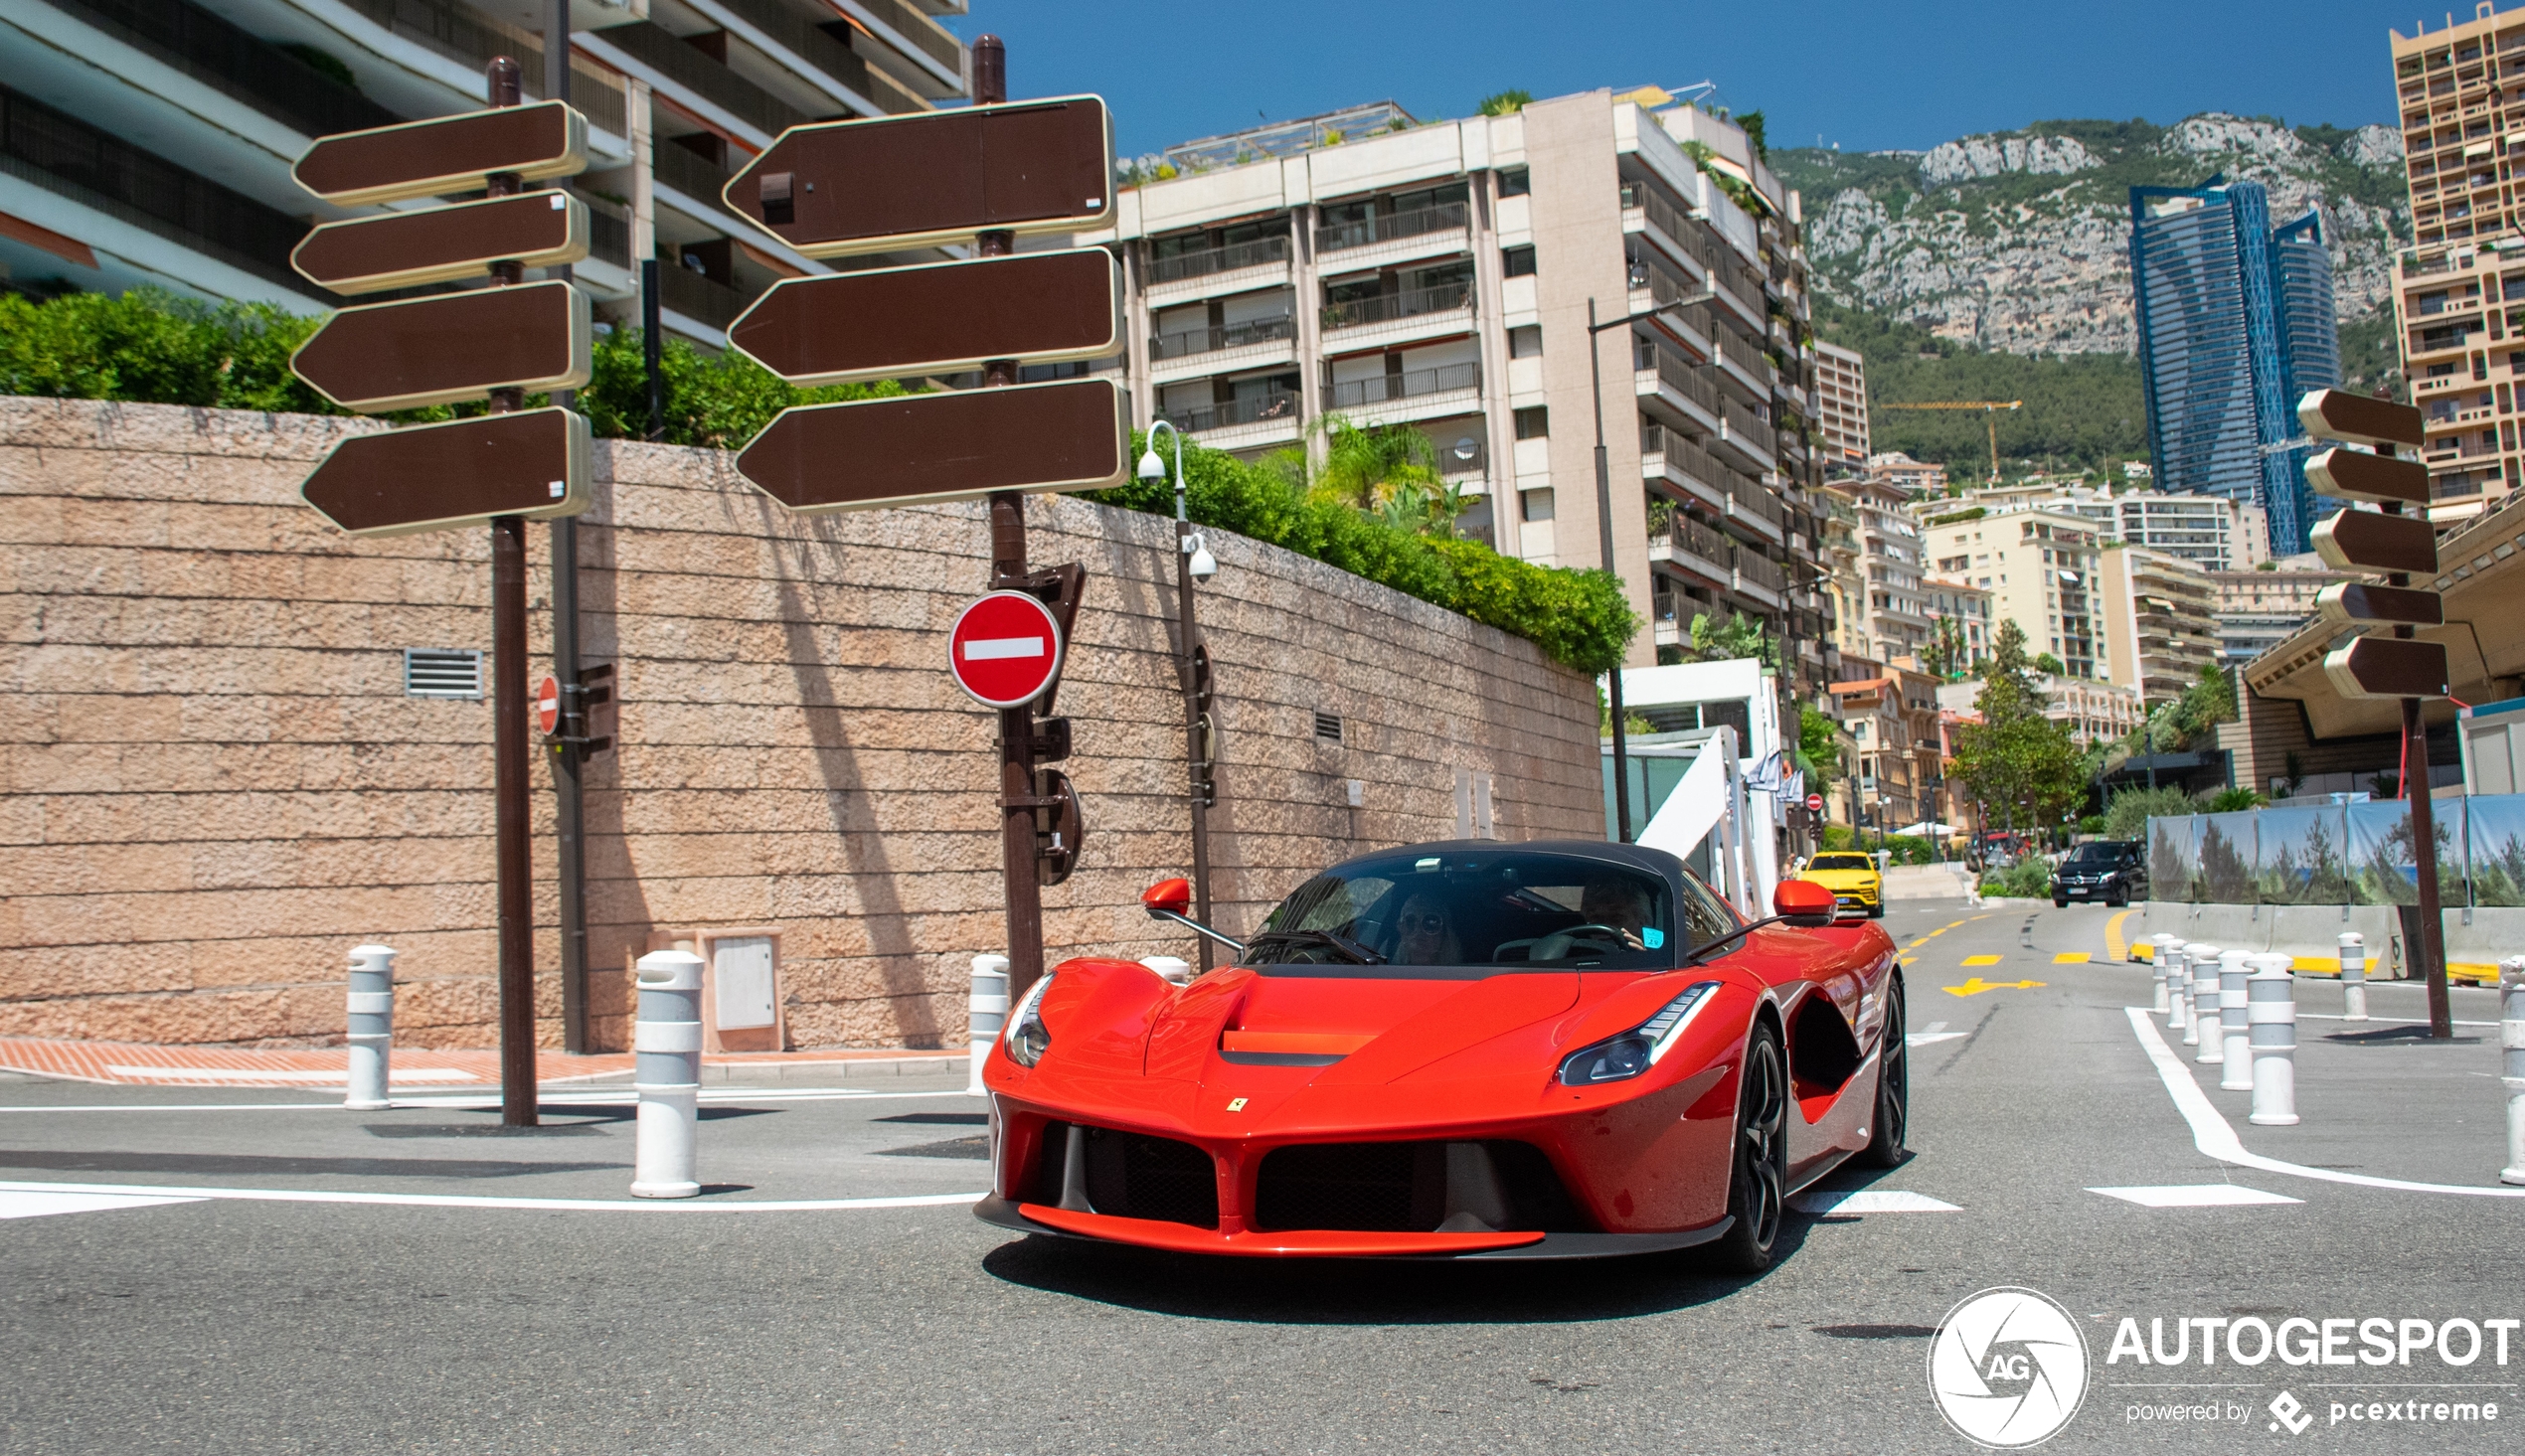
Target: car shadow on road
{"type": "Point", "coordinates": [1275, 1291]}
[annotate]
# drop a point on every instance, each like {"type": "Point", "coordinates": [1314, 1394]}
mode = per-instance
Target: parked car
{"type": "Point", "coordinates": [2110, 869]}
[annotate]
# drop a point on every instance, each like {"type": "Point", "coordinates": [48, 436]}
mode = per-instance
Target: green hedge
{"type": "Point", "coordinates": [152, 347]}
{"type": "Point", "coordinates": [1578, 618]}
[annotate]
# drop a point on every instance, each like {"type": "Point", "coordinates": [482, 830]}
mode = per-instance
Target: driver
{"type": "Point", "coordinates": [1617, 902]}
{"type": "Point", "coordinates": [1428, 933]}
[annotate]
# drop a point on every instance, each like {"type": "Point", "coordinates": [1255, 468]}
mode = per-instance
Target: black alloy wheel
{"type": "Point", "coordinates": [1893, 1123]}
{"type": "Point", "coordinates": [1757, 1182]}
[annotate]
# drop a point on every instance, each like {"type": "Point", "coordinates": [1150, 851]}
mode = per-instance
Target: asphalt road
{"type": "Point", "coordinates": [250, 1324]}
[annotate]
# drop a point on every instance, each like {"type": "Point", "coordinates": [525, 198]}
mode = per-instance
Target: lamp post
{"type": "Point", "coordinates": [1193, 562]}
{"type": "Point", "coordinates": [1604, 533]}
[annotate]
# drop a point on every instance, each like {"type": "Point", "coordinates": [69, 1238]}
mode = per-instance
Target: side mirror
{"type": "Point", "coordinates": [1804, 902]}
{"type": "Point", "coordinates": [1168, 898]}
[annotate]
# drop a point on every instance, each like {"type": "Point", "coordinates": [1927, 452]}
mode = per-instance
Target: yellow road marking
{"type": "Point", "coordinates": [1981, 917]}
{"type": "Point", "coordinates": [1981, 960]}
{"type": "Point", "coordinates": [2115, 948]}
{"type": "Point", "coordinates": [1976, 986]}
{"type": "Point", "coordinates": [1916, 944]}
{"type": "Point", "coordinates": [2072, 958]}
{"type": "Point", "coordinates": [1949, 925]}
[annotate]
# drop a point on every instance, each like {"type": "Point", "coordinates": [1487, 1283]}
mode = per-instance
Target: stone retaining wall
{"type": "Point", "coordinates": [215, 785]}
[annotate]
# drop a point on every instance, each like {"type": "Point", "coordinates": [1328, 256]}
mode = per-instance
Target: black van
{"type": "Point", "coordinates": [2110, 869]}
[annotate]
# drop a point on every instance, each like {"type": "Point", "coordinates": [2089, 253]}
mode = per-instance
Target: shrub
{"type": "Point", "coordinates": [2126, 817]}
{"type": "Point", "coordinates": [1910, 848]}
{"type": "Point", "coordinates": [1838, 837]}
{"type": "Point", "coordinates": [2028, 879]}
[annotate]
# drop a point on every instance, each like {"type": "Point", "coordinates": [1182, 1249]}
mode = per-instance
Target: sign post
{"type": "Point", "coordinates": [2396, 666]}
{"type": "Point", "coordinates": [502, 467]}
{"type": "Point", "coordinates": [983, 173]}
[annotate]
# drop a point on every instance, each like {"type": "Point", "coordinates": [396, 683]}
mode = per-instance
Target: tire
{"type": "Point", "coordinates": [1877, 912]}
{"type": "Point", "coordinates": [1887, 1148]}
{"type": "Point", "coordinates": [1758, 1156]}
{"type": "Point", "coordinates": [2059, 901]}
{"type": "Point", "coordinates": [2116, 900]}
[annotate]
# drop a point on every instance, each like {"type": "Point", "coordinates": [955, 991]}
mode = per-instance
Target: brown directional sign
{"type": "Point", "coordinates": [937, 318]}
{"type": "Point", "coordinates": [2337, 415]}
{"type": "Point", "coordinates": [900, 182]}
{"type": "Point", "coordinates": [455, 346]}
{"type": "Point", "coordinates": [405, 250]}
{"type": "Point", "coordinates": [2358, 476]}
{"type": "Point", "coordinates": [2388, 667]}
{"type": "Point", "coordinates": [445, 154]}
{"type": "Point", "coordinates": [2359, 601]}
{"type": "Point", "coordinates": [434, 477]}
{"type": "Point", "coordinates": [1064, 435]}
{"type": "Point", "coordinates": [2370, 541]}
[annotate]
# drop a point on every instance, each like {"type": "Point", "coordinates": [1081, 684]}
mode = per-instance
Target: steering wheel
{"type": "Point", "coordinates": [1556, 945]}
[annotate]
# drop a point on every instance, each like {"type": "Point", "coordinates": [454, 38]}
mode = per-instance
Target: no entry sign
{"type": "Point", "coordinates": [1005, 649]}
{"type": "Point", "coordinates": [547, 705]}
{"type": "Point", "coordinates": [1814, 803]}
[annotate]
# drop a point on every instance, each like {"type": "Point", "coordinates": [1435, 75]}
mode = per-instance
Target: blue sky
{"type": "Point", "coordinates": [1867, 77]}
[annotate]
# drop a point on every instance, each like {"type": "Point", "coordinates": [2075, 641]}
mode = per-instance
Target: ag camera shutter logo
{"type": "Point", "coordinates": [2008, 1368]}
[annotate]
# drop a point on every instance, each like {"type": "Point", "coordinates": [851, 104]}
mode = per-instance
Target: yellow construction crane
{"type": "Point", "coordinates": [1989, 407]}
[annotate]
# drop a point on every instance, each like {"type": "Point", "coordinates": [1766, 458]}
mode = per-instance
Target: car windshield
{"type": "Point", "coordinates": [1511, 909]}
{"type": "Point", "coordinates": [2099, 852]}
{"type": "Point", "coordinates": [1841, 862]}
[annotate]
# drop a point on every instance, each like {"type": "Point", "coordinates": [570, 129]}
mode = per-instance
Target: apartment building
{"type": "Point", "coordinates": [2214, 533]}
{"type": "Point", "coordinates": [149, 141]}
{"type": "Point", "coordinates": [2235, 320]}
{"type": "Point", "coordinates": [1891, 716]}
{"type": "Point", "coordinates": [2093, 713]}
{"type": "Point", "coordinates": [2463, 131]}
{"type": "Point", "coordinates": [2160, 623]}
{"type": "Point", "coordinates": [2262, 608]}
{"type": "Point", "coordinates": [1960, 628]}
{"type": "Point", "coordinates": [2039, 565]}
{"type": "Point", "coordinates": [1841, 408]}
{"type": "Point", "coordinates": [1922, 478]}
{"type": "Point", "coordinates": [1442, 277]}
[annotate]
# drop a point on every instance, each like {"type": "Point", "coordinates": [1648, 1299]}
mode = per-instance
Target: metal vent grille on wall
{"type": "Point", "coordinates": [441, 672]}
{"type": "Point", "coordinates": [1328, 727]}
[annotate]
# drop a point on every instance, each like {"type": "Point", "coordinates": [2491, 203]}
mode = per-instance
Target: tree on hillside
{"type": "Point", "coordinates": [2021, 767]}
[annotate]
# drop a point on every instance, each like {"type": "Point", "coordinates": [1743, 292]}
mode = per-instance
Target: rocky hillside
{"type": "Point", "coordinates": [2020, 240]}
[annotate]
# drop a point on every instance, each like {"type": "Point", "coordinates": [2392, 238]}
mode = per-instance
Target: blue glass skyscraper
{"type": "Point", "coordinates": [2236, 325]}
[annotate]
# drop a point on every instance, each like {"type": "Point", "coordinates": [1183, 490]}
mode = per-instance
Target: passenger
{"type": "Point", "coordinates": [1427, 934]}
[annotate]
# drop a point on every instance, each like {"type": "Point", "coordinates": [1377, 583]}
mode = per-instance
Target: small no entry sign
{"type": "Point", "coordinates": [1814, 803]}
{"type": "Point", "coordinates": [548, 707]}
{"type": "Point", "coordinates": [1005, 649]}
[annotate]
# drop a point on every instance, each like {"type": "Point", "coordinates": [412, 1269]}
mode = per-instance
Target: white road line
{"type": "Point", "coordinates": [40, 1204]}
{"type": "Point", "coordinates": [247, 1074]}
{"type": "Point", "coordinates": [2194, 1196]}
{"type": "Point", "coordinates": [1871, 1201]}
{"type": "Point", "coordinates": [2381, 1024]}
{"type": "Point", "coordinates": [457, 1200]}
{"type": "Point", "coordinates": [711, 1096]}
{"type": "Point", "coordinates": [1932, 1039]}
{"type": "Point", "coordinates": [2212, 1134]}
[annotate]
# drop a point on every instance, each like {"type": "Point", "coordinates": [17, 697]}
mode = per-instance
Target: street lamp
{"type": "Point", "coordinates": [1193, 562]}
{"type": "Point", "coordinates": [1604, 531]}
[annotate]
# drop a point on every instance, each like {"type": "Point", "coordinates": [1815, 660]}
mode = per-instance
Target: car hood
{"type": "Point", "coordinates": [1348, 1028]}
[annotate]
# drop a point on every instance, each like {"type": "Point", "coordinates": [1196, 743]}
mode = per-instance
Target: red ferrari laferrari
{"type": "Point", "coordinates": [1469, 1049]}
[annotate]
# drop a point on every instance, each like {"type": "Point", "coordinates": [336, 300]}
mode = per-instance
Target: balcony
{"type": "Point", "coordinates": [805, 39]}
{"type": "Point", "coordinates": [1389, 307]}
{"type": "Point", "coordinates": [247, 68]}
{"type": "Point", "coordinates": [690, 173]}
{"type": "Point", "coordinates": [1275, 407]}
{"type": "Point", "coordinates": [1393, 225]}
{"type": "Point", "coordinates": [698, 297]}
{"type": "Point", "coordinates": [438, 26]}
{"type": "Point", "coordinates": [687, 69]}
{"type": "Point", "coordinates": [925, 35]}
{"type": "Point", "coordinates": [1659, 214]}
{"type": "Point", "coordinates": [1261, 253]}
{"type": "Point", "coordinates": [1188, 341]}
{"type": "Point", "coordinates": [1409, 385]}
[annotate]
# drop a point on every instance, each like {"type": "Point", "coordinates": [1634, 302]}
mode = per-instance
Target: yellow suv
{"type": "Point", "coordinates": [1852, 878]}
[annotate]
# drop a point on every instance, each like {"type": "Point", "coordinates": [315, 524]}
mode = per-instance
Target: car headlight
{"type": "Point", "coordinates": [1027, 1038]}
{"type": "Point", "coordinates": [1616, 1058]}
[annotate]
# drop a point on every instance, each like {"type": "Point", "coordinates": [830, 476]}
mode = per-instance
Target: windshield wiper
{"type": "Point", "coordinates": [1356, 953]}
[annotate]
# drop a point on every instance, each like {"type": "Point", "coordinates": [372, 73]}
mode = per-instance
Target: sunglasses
{"type": "Point", "coordinates": [1425, 924]}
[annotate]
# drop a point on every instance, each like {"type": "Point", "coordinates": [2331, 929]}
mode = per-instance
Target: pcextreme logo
{"type": "Point", "coordinates": [2008, 1368]}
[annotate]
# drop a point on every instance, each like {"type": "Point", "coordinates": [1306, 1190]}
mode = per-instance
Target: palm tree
{"type": "Point", "coordinates": [1388, 470]}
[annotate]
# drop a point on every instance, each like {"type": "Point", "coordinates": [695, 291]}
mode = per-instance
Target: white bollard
{"type": "Point", "coordinates": [1173, 969]}
{"type": "Point", "coordinates": [2163, 960]}
{"type": "Point", "coordinates": [2512, 1045]}
{"type": "Point", "coordinates": [2202, 960]}
{"type": "Point", "coordinates": [986, 1011]}
{"type": "Point", "coordinates": [2208, 1007]}
{"type": "Point", "coordinates": [2353, 976]}
{"type": "Point", "coordinates": [2235, 1045]}
{"type": "Point", "coordinates": [2271, 1013]}
{"type": "Point", "coordinates": [370, 1030]}
{"type": "Point", "coordinates": [667, 1047]}
{"type": "Point", "coordinates": [2178, 977]}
